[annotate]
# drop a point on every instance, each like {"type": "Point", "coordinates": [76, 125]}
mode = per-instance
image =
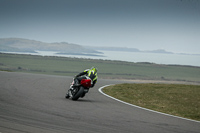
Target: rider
{"type": "Point", "coordinates": [87, 74]}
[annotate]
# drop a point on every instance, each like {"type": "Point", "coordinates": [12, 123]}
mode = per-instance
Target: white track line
{"type": "Point", "coordinates": [100, 90]}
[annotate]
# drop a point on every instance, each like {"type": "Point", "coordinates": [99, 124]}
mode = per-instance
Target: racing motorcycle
{"type": "Point", "coordinates": [78, 90]}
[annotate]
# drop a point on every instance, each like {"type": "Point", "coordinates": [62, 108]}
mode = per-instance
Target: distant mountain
{"type": "Point", "coordinates": [125, 49]}
{"type": "Point", "coordinates": [26, 45]}
{"type": "Point", "coordinates": [32, 46]}
{"type": "Point", "coordinates": [160, 51]}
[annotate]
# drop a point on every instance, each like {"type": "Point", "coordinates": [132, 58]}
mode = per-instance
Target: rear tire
{"type": "Point", "coordinates": [78, 94]}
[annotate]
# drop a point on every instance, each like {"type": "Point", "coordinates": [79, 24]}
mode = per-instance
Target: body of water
{"type": "Point", "coordinates": [176, 59]}
{"type": "Point", "coordinates": [172, 59]}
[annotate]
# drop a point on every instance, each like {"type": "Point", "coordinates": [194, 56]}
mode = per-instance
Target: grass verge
{"type": "Point", "coordinates": [174, 99]}
{"type": "Point", "coordinates": [107, 69]}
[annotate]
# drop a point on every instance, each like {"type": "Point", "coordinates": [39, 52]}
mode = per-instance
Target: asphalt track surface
{"type": "Point", "coordinates": [34, 103]}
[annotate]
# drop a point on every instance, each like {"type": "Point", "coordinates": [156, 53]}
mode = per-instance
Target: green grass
{"type": "Point", "coordinates": [107, 68]}
{"type": "Point", "coordinates": [174, 99]}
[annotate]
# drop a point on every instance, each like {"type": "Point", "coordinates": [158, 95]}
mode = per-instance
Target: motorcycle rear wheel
{"type": "Point", "coordinates": [78, 94]}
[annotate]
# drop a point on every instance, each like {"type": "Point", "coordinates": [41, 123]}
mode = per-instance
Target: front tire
{"type": "Point", "coordinates": [67, 96]}
{"type": "Point", "coordinates": [78, 94]}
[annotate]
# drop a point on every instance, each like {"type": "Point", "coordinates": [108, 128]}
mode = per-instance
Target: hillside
{"type": "Point", "coordinates": [32, 46]}
{"type": "Point", "coordinates": [26, 45]}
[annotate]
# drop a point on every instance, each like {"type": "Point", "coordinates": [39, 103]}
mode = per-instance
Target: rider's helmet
{"type": "Point", "coordinates": [94, 69]}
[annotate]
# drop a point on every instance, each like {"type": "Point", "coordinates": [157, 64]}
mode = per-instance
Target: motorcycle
{"type": "Point", "coordinates": [78, 90]}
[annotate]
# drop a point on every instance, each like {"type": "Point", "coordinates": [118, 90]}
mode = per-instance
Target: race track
{"type": "Point", "coordinates": [34, 103]}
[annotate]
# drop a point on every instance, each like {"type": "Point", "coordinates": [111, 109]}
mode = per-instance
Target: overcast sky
{"type": "Point", "coordinates": [173, 25]}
